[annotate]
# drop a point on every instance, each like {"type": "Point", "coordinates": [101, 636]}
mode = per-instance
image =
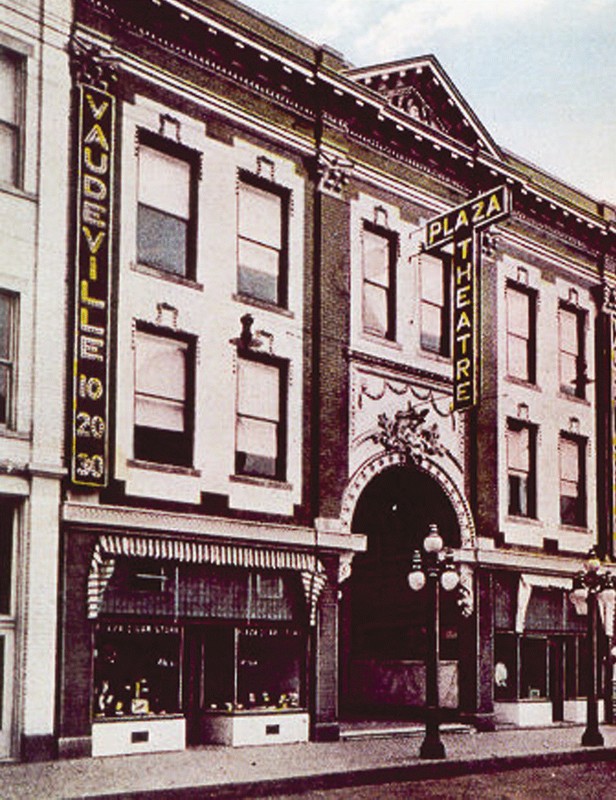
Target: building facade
{"type": "Point", "coordinates": [34, 98]}
{"type": "Point", "coordinates": [312, 310]}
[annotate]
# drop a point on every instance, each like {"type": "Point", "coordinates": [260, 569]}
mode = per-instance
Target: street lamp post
{"type": "Point", "coordinates": [591, 586]}
{"type": "Point", "coordinates": [435, 569]}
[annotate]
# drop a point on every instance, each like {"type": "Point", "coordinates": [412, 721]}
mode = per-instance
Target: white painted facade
{"type": "Point", "coordinates": [33, 268]}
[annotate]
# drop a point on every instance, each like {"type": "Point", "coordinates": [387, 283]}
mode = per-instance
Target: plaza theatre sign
{"type": "Point", "coordinates": [458, 232]}
{"type": "Point", "coordinates": [92, 267]}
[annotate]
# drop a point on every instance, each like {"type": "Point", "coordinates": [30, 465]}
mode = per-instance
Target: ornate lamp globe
{"type": "Point", "coordinates": [433, 543]}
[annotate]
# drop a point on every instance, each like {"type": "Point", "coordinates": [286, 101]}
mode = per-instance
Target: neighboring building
{"type": "Point", "coordinates": [265, 352]}
{"type": "Point", "coordinates": [34, 158]}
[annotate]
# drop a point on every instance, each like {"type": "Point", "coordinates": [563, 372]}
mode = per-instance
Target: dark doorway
{"type": "Point", "coordinates": [383, 640]}
{"type": "Point", "coordinates": [556, 667]}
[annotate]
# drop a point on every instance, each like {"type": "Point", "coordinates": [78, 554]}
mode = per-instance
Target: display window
{"type": "Point", "coordinates": [136, 669]}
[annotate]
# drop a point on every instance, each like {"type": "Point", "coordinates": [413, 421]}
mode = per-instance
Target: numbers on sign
{"type": "Point", "coordinates": [90, 426]}
{"type": "Point", "coordinates": [90, 466]}
{"type": "Point", "coordinates": [92, 388]}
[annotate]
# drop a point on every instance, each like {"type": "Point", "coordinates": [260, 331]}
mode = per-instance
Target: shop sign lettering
{"type": "Point", "coordinates": [459, 231]}
{"type": "Point", "coordinates": [475, 214]}
{"type": "Point", "coordinates": [94, 192]}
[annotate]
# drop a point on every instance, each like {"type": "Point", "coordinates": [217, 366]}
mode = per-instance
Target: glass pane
{"type": "Point", "coordinates": [6, 559]}
{"type": "Point", "coordinates": [257, 437]}
{"type": "Point", "coordinates": [8, 87]}
{"type": "Point", "coordinates": [5, 393]}
{"type": "Point", "coordinates": [8, 154]}
{"type": "Point", "coordinates": [257, 257]}
{"type": "Point", "coordinates": [154, 412]}
{"type": "Point", "coordinates": [161, 367]}
{"type": "Point", "coordinates": [568, 331]}
{"type": "Point", "coordinates": [260, 215]}
{"type": "Point", "coordinates": [5, 326]}
{"type": "Point", "coordinates": [257, 284]}
{"type": "Point", "coordinates": [376, 258]}
{"type": "Point", "coordinates": [432, 287]}
{"type": "Point", "coordinates": [375, 309]}
{"type": "Point", "coordinates": [533, 668]}
{"type": "Point", "coordinates": [517, 357]}
{"type": "Point", "coordinates": [518, 453]}
{"type": "Point", "coordinates": [164, 182]}
{"type": "Point", "coordinates": [161, 241]}
{"type": "Point", "coordinates": [258, 390]}
{"type": "Point", "coordinates": [569, 460]}
{"type": "Point", "coordinates": [568, 373]}
{"type": "Point", "coordinates": [518, 313]}
{"type": "Point", "coordinates": [431, 327]}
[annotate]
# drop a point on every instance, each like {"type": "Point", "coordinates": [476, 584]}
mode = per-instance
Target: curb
{"type": "Point", "coordinates": [366, 777]}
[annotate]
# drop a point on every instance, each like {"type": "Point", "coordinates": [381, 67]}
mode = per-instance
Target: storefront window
{"type": "Point", "coordinates": [136, 669]}
{"type": "Point", "coordinates": [533, 667]}
{"type": "Point", "coordinates": [270, 668]}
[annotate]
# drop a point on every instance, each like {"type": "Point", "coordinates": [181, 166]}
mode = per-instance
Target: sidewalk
{"type": "Point", "coordinates": [215, 771]}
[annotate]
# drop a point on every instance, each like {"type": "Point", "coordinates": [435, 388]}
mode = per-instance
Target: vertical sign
{"type": "Point", "coordinates": [459, 231]}
{"type": "Point", "coordinates": [94, 171]}
{"type": "Point", "coordinates": [464, 320]}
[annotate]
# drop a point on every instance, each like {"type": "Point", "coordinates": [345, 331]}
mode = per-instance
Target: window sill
{"type": "Point", "coordinates": [166, 276]}
{"type": "Point", "coordinates": [268, 483]}
{"type": "Point", "coordinates": [523, 520]}
{"type": "Point", "coordinates": [374, 338]}
{"type": "Point", "coordinates": [432, 355]}
{"type": "Point", "coordinates": [11, 433]}
{"type": "Point", "coordinates": [525, 384]}
{"type": "Point", "coordinates": [263, 304]}
{"type": "Point", "coordinates": [9, 188]}
{"type": "Point", "coordinates": [171, 469]}
{"type": "Point", "coordinates": [567, 527]}
{"type": "Point", "coordinates": [583, 401]}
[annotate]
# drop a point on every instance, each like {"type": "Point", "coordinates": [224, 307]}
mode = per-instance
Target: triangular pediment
{"type": "Point", "coordinates": [420, 88]}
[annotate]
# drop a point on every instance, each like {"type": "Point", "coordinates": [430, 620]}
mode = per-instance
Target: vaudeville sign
{"type": "Point", "coordinates": [95, 144]}
{"type": "Point", "coordinates": [457, 230]}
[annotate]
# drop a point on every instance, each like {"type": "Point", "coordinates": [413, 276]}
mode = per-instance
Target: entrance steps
{"type": "Point", "coordinates": [385, 729]}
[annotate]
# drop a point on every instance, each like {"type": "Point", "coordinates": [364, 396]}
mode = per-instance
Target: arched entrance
{"type": "Point", "coordinates": [383, 630]}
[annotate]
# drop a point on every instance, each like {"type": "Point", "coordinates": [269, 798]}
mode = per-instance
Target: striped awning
{"type": "Point", "coordinates": [110, 546]}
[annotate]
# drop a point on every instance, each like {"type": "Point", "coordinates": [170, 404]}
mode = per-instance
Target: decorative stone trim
{"type": "Point", "coordinates": [382, 461]}
{"type": "Point", "coordinates": [92, 65]}
{"type": "Point", "coordinates": [334, 173]}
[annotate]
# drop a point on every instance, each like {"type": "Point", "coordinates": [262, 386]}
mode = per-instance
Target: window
{"type": "Point", "coordinates": [8, 314]}
{"type": "Point", "coordinates": [166, 221]}
{"type": "Point", "coordinates": [435, 303]}
{"type": "Point", "coordinates": [571, 322]}
{"type": "Point", "coordinates": [521, 333]}
{"type": "Point", "coordinates": [260, 424]}
{"type": "Point", "coordinates": [379, 287]}
{"type": "Point", "coordinates": [6, 561]}
{"type": "Point", "coordinates": [262, 241]}
{"type": "Point", "coordinates": [521, 458]}
{"type": "Point", "coordinates": [572, 480]}
{"type": "Point", "coordinates": [163, 399]}
{"type": "Point", "coordinates": [11, 112]}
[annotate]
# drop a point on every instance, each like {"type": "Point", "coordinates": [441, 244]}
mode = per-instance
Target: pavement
{"type": "Point", "coordinates": [237, 772]}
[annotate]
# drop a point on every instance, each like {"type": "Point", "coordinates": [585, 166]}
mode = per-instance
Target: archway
{"type": "Point", "coordinates": [383, 631]}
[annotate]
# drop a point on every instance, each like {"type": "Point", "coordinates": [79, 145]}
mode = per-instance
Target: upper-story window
{"type": "Point", "coordinates": [572, 480]}
{"type": "Point", "coordinates": [379, 281]}
{"type": "Point", "coordinates": [521, 333]}
{"type": "Point", "coordinates": [262, 241]}
{"type": "Point", "coordinates": [164, 386]}
{"type": "Point", "coordinates": [572, 357]}
{"type": "Point", "coordinates": [260, 442]}
{"type": "Point", "coordinates": [434, 277]}
{"type": "Point", "coordinates": [166, 211]}
{"type": "Point", "coordinates": [11, 116]}
{"type": "Point", "coordinates": [8, 319]}
{"type": "Point", "coordinates": [521, 468]}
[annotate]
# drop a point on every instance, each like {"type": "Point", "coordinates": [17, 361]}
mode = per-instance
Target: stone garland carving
{"type": "Point", "coordinates": [408, 435]}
